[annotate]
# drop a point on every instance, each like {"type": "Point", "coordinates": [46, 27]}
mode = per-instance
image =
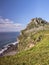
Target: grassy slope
{"type": "Point", "coordinates": [38, 55]}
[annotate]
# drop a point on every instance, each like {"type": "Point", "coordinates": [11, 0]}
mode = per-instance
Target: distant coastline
{"type": "Point", "coordinates": [12, 45]}
{"type": "Point", "coordinates": [9, 48]}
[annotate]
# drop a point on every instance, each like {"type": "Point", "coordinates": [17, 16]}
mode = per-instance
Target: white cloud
{"type": "Point", "coordinates": [6, 25]}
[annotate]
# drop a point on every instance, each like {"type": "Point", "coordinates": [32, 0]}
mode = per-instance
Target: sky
{"type": "Point", "coordinates": [16, 14]}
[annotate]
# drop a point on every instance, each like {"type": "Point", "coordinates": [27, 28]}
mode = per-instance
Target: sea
{"type": "Point", "coordinates": [8, 37]}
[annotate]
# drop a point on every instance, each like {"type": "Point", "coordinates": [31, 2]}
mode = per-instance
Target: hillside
{"type": "Point", "coordinates": [33, 47]}
{"type": "Point", "coordinates": [38, 55]}
{"type": "Point", "coordinates": [27, 39]}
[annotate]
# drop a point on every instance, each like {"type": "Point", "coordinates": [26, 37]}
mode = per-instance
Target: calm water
{"type": "Point", "coordinates": [8, 37]}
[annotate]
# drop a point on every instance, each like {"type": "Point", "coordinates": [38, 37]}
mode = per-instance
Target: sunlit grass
{"type": "Point", "coordinates": [37, 55]}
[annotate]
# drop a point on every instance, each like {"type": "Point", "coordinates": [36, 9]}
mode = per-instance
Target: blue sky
{"type": "Point", "coordinates": [20, 12]}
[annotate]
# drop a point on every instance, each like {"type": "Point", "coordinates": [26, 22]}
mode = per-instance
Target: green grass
{"type": "Point", "coordinates": [38, 55]}
{"type": "Point", "coordinates": [28, 38]}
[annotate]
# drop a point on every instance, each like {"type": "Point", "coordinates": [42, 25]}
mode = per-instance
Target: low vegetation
{"type": "Point", "coordinates": [33, 49]}
{"type": "Point", "coordinates": [27, 36]}
{"type": "Point", "coordinates": [37, 55]}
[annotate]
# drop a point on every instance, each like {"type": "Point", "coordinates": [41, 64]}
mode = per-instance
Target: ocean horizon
{"type": "Point", "coordinates": [8, 37]}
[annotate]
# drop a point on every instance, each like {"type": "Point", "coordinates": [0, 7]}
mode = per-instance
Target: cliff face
{"type": "Point", "coordinates": [27, 38]}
